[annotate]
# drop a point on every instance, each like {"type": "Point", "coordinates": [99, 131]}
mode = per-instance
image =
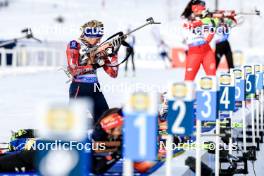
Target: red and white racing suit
{"type": "Point", "coordinates": [199, 53]}
{"type": "Point", "coordinates": [75, 53]}
{"type": "Point", "coordinates": [85, 82]}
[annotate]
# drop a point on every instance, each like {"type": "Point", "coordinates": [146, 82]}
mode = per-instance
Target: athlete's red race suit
{"type": "Point", "coordinates": [200, 52]}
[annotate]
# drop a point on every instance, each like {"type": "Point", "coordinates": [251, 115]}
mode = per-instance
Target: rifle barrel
{"type": "Point", "coordinates": [244, 13]}
{"type": "Point", "coordinates": [140, 27]}
{"type": "Point", "coordinates": [134, 30]}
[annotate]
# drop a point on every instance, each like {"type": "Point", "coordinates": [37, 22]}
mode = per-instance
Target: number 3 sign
{"type": "Point", "coordinates": [180, 108]}
{"type": "Point", "coordinates": [206, 97]}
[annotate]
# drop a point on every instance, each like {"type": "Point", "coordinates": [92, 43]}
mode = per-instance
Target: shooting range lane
{"type": "Point", "coordinates": [178, 163]}
{"type": "Point", "coordinates": [24, 93]}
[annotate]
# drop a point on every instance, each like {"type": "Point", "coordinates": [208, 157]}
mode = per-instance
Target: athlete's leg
{"type": "Point", "coordinates": [74, 90]}
{"type": "Point", "coordinates": [126, 65]}
{"type": "Point", "coordinates": [100, 104]}
{"type": "Point", "coordinates": [92, 93]}
{"type": "Point", "coordinates": [209, 64]}
{"type": "Point", "coordinates": [219, 52]}
{"type": "Point", "coordinates": [229, 55]}
{"type": "Point", "coordinates": [193, 62]}
{"type": "Point", "coordinates": [132, 59]}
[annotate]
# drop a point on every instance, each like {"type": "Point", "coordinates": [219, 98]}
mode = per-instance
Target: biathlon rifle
{"type": "Point", "coordinates": [231, 13]}
{"type": "Point", "coordinates": [110, 42]}
{"type": "Point", "coordinates": [27, 35]}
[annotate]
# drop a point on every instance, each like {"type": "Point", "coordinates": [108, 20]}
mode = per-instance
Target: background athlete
{"type": "Point", "coordinates": [222, 47]}
{"type": "Point", "coordinates": [198, 39]}
{"type": "Point", "coordinates": [131, 40]}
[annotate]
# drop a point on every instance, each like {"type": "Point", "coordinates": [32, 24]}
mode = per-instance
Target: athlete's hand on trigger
{"type": "Point", "coordinates": [116, 42]}
{"type": "Point", "coordinates": [104, 47]}
{"type": "Point", "coordinates": [231, 13]}
{"type": "Point", "coordinates": [100, 52]}
{"type": "Point", "coordinates": [92, 59]}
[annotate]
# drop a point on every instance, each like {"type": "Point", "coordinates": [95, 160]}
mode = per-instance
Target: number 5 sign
{"type": "Point", "coordinates": [239, 77]}
{"type": "Point", "coordinates": [226, 93]}
{"type": "Point", "coordinates": [140, 127]}
{"type": "Point", "coordinates": [206, 97]}
{"type": "Point", "coordinates": [180, 108]}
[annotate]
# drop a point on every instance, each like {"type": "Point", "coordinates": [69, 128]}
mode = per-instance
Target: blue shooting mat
{"type": "Point", "coordinates": [117, 169]}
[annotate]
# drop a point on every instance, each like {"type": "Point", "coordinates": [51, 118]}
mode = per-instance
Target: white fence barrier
{"type": "Point", "coordinates": [32, 57]}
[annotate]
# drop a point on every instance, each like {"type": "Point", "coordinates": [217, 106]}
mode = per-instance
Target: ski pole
{"type": "Point", "coordinates": [244, 126]}
{"type": "Point", "coordinates": [261, 109]}
{"type": "Point", "coordinates": [230, 139]}
{"type": "Point", "coordinates": [198, 148]}
{"type": "Point", "coordinates": [217, 147]}
{"type": "Point", "coordinates": [253, 120]}
{"type": "Point", "coordinates": [169, 154]}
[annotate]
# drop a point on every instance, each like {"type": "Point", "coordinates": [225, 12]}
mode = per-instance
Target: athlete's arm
{"type": "Point", "coordinates": [73, 59]}
{"type": "Point", "coordinates": [111, 71]}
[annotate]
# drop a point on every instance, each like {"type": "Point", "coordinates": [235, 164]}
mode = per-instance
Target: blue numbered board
{"type": "Point", "coordinates": [240, 90]}
{"type": "Point", "coordinates": [250, 84]}
{"type": "Point", "coordinates": [140, 136]}
{"type": "Point", "coordinates": [206, 105]}
{"type": "Point", "coordinates": [226, 98]}
{"type": "Point", "coordinates": [180, 117]}
{"type": "Point", "coordinates": [72, 158]}
{"type": "Point", "coordinates": [259, 80]}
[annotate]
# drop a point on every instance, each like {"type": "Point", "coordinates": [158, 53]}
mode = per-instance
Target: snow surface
{"type": "Point", "coordinates": [21, 94]}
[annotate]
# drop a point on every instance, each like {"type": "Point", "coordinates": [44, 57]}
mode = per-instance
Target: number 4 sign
{"type": "Point", "coordinates": [180, 108]}
{"type": "Point", "coordinates": [140, 127]}
{"type": "Point", "coordinates": [206, 97]}
{"type": "Point", "coordinates": [226, 93]}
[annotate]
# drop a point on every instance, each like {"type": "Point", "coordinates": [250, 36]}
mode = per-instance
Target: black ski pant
{"type": "Point", "coordinates": [92, 92]}
{"type": "Point", "coordinates": [132, 59]}
{"type": "Point", "coordinates": [223, 48]}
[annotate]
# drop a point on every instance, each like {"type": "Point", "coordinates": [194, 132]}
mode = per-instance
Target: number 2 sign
{"type": "Point", "coordinates": [180, 108]}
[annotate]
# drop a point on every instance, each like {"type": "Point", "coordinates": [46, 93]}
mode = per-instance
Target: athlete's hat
{"type": "Point", "coordinates": [198, 5]}
{"type": "Point", "coordinates": [111, 121]}
{"type": "Point", "coordinates": [93, 29]}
